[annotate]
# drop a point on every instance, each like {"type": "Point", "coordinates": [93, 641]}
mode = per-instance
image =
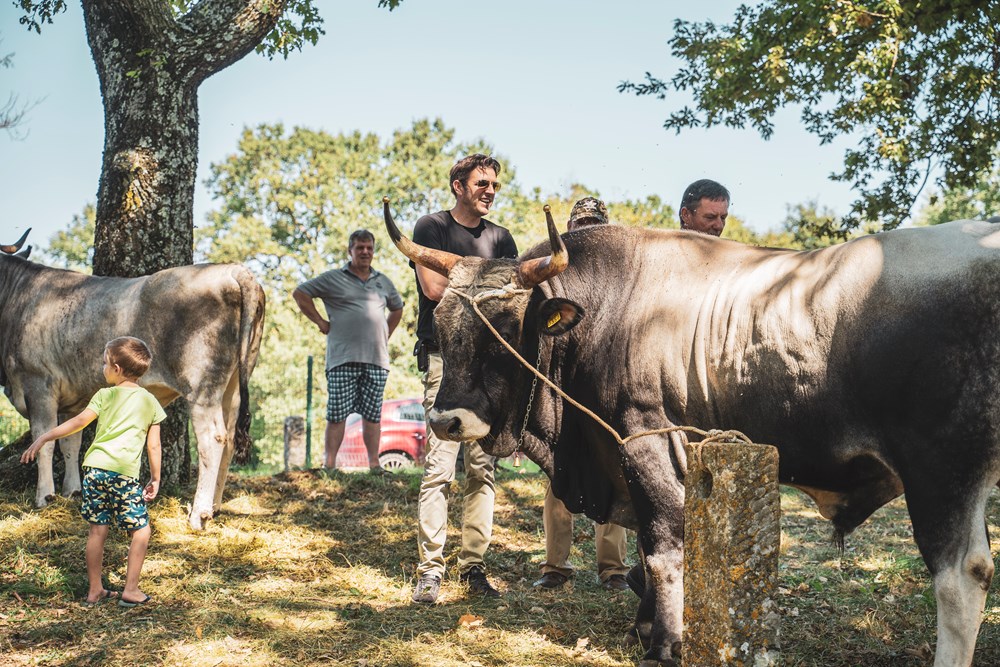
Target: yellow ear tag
{"type": "Point", "coordinates": [554, 320]}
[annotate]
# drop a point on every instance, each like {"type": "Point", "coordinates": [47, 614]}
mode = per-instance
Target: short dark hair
{"type": "Point", "coordinates": [702, 189]}
{"type": "Point", "coordinates": [130, 354]}
{"type": "Point", "coordinates": [469, 164]}
{"type": "Point", "coordinates": [358, 235]}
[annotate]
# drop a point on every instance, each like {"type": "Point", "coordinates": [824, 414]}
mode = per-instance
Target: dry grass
{"type": "Point", "coordinates": [306, 569]}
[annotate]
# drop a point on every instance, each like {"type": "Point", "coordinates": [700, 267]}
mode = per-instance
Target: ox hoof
{"type": "Point", "coordinates": [635, 638]}
{"type": "Point", "coordinates": [198, 520]}
{"type": "Point", "coordinates": [44, 500]}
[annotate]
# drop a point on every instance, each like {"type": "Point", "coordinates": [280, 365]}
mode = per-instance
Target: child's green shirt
{"type": "Point", "coordinates": [124, 415]}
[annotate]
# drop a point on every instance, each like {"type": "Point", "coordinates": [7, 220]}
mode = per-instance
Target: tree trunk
{"type": "Point", "coordinates": [150, 64]}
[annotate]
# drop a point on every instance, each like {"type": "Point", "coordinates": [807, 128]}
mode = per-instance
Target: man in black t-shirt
{"type": "Point", "coordinates": [463, 231]}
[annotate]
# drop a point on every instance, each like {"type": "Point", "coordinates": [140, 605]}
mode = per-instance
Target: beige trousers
{"type": "Point", "coordinates": [432, 507]}
{"type": "Point", "coordinates": [558, 522]}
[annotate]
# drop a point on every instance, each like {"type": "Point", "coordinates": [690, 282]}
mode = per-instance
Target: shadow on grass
{"type": "Point", "coordinates": [308, 568]}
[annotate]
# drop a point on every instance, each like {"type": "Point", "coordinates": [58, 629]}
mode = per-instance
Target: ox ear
{"type": "Point", "coordinates": [557, 316]}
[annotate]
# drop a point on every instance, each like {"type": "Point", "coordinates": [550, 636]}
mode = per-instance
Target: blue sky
{"type": "Point", "coordinates": [535, 78]}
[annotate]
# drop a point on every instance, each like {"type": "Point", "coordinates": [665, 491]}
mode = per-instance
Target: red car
{"type": "Point", "coordinates": [403, 435]}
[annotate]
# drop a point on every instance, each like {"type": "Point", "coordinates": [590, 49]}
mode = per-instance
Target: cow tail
{"type": "Point", "coordinates": [251, 331]}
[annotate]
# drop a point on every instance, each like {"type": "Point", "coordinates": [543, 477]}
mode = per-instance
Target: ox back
{"type": "Point", "coordinates": [203, 324]}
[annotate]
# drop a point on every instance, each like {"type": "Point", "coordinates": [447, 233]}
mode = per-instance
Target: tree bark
{"type": "Point", "coordinates": [150, 64]}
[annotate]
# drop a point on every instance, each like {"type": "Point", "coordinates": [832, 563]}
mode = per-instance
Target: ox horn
{"type": "Point", "coordinates": [536, 271]}
{"type": "Point", "coordinates": [440, 261]}
{"type": "Point", "coordinates": [11, 249]}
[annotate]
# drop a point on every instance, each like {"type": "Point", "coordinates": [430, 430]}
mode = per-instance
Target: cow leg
{"type": "Point", "coordinates": [231, 409]}
{"type": "Point", "coordinates": [70, 448]}
{"type": "Point", "coordinates": [658, 500]}
{"type": "Point", "coordinates": [948, 529]}
{"type": "Point", "coordinates": [210, 431]}
{"type": "Point", "coordinates": [42, 418]}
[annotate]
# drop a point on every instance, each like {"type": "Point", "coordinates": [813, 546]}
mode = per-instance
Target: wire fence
{"type": "Point", "coordinates": [300, 390]}
{"type": "Point", "coordinates": [12, 425]}
{"type": "Point", "coordinates": [271, 401]}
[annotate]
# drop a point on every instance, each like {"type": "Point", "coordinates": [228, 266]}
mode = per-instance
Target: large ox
{"type": "Point", "coordinates": [203, 324]}
{"type": "Point", "coordinates": [874, 366]}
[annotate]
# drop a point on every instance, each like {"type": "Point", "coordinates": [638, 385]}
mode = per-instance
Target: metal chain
{"type": "Point", "coordinates": [527, 411]}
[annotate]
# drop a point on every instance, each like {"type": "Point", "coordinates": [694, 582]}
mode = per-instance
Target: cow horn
{"type": "Point", "coordinates": [536, 271]}
{"type": "Point", "coordinates": [440, 261]}
{"type": "Point", "coordinates": [11, 249]}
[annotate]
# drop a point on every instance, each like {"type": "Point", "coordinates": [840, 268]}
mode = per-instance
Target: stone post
{"type": "Point", "coordinates": [295, 443]}
{"type": "Point", "coordinates": [732, 534]}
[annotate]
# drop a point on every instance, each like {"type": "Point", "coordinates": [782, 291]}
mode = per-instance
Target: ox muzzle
{"type": "Point", "coordinates": [458, 424]}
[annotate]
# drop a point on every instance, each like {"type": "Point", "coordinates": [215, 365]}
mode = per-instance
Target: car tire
{"type": "Point", "coordinates": [394, 460]}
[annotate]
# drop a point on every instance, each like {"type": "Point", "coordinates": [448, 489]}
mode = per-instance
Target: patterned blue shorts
{"type": "Point", "coordinates": [355, 387]}
{"type": "Point", "coordinates": [109, 495]}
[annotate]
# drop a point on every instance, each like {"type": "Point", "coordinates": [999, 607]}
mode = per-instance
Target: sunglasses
{"type": "Point", "coordinates": [485, 184]}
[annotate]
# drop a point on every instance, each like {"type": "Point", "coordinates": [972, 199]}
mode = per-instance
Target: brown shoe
{"type": "Point", "coordinates": [551, 581]}
{"type": "Point", "coordinates": [475, 579]}
{"type": "Point", "coordinates": [616, 582]}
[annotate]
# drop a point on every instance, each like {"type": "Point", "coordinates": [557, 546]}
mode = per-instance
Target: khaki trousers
{"type": "Point", "coordinates": [432, 507]}
{"type": "Point", "coordinates": [558, 522]}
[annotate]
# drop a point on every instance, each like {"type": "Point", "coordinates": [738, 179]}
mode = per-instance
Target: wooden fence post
{"type": "Point", "coordinates": [732, 536]}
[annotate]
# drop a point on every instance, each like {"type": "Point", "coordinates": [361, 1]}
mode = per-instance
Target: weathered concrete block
{"type": "Point", "coordinates": [732, 534]}
{"type": "Point", "coordinates": [295, 443]}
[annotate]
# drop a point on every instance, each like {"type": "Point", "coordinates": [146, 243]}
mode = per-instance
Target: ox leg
{"type": "Point", "coordinates": [70, 448]}
{"type": "Point", "coordinates": [658, 500]}
{"type": "Point", "coordinates": [210, 431]}
{"type": "Point", "coordinates": [949, 532]}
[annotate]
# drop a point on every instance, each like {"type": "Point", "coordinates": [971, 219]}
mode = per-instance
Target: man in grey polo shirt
{"type": "Point", "coordinates": [357, 336]}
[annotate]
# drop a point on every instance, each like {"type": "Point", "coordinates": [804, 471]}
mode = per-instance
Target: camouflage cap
{"type": "Point", "coordinates": [591, 209]}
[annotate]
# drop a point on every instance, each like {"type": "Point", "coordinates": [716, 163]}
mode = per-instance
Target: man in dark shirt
{"type": "Point", "coordinates": [611, 539]}
{"type": "Point", "coordinates": [463, 231]}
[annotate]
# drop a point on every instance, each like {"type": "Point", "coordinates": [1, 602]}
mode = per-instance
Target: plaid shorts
{"type": "Point", "coordinates": [111, 496]}
{"type": "Point", "coordinates": [355, 387]}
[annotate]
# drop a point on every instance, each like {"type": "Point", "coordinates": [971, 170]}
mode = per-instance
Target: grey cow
{"type": "Point", "coordinates": [873, 366]}
{"type": "Point", "coordinates": [203, 324]}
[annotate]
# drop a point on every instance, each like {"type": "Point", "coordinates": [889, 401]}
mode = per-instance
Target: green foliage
{"type": "Point", "coordinates": [300, 23]}
{"type": "Point", "coordinates": [808, 228]}
{"type": "Point", "coordinates": [978, 202]}
{"type": "Point", "coordinates": [289, 201]}
{"type": "Point", "coordinates": [39, 12]}
{"type": "Point", "coordinates": [916, 83]}
{"type": "Point", "coordinates": [73, 247]}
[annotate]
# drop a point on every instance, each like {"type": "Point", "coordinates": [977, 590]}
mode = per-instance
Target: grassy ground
{"type": "Point", "coordinates": [310, 569]}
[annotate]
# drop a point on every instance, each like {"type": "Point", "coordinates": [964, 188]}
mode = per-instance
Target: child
{"type": "Point", "coordinates": [127, 417]}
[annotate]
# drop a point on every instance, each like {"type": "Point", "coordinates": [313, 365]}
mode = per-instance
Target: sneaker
{"type": "Point", "coordinates": [428, 587]}
{"type": "Point", "coordinates": [616, 582]}
{"type": "Point", "coordinates": [476, 579]}
{"type": "Point", "coordinates": [551, 581]}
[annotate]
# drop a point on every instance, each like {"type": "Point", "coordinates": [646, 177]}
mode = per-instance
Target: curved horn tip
{"type": "Point", "coordinates": [385, 200]}
{"type": "Point", "coordinates": [546, 208]}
